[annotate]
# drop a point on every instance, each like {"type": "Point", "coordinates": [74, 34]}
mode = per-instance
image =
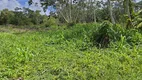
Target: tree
{"type": "Point", "coordinates": [6, 16]}
{"type": "Point", "coordinates": [110, 12]}
{"type": "Point", "coordinates": [73, 11]}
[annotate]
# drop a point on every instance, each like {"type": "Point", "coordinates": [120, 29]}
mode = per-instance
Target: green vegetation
{"type": "Point", "coordinates": [79, 40]}
{"type": "Point", "coordinates": [68, 54]}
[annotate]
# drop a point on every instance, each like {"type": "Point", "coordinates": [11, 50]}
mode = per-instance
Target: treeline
{"type": "Point", "coordinates": [25, 16]}
{"type": "Point", "coordinates": [125, 12]}
{"type": "Point", "coordinates": [94, 10]}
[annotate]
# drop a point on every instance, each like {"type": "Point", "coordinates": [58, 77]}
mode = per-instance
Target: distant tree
{"type": "Point", "coordinates": [6, 16]}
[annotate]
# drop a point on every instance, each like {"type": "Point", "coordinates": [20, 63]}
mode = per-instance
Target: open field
{"type": "Point", "coordinates": [67, 54]}
{"type": "Point", "coordinates": [71, 40]}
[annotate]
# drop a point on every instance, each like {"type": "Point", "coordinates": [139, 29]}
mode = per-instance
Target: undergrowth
{"type": "Point", "coordinates": [71, 54]}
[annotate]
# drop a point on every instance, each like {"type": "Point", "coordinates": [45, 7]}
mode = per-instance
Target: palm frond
{"type": "Point", "coordinates": [139, 25]}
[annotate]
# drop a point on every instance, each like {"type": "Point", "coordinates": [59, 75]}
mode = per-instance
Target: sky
{"type": "Point", "coordinates": [12, 4]}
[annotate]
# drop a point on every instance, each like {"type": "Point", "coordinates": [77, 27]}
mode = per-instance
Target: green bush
{"type": "Point", "coordinates": [49, 22]}
{"type": "Point", "coordinates": [104, 34]}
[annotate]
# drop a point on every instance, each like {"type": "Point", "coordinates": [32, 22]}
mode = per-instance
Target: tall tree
{"type": "Point", "coordinates": [72, 10]}
{"type": "Point", "coordinates": [110, 11]}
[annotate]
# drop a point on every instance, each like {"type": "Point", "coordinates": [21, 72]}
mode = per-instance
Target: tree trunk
{"type": "Point", "coordinates": [110, 12]}
{"type": "Point", "coordinates": [70, 13]}
{"type": "Point", "coordinates": [128, 8]}
{"type": "Point", "coordinates": [93, 4]}
{"type": "Point", "coordinates": [95, 16]}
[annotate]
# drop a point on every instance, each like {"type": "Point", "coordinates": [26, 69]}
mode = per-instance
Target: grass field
{"type": "Point", "coordinates": [67, 54]}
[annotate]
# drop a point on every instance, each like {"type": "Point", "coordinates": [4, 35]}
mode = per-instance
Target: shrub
{"type": "Point", "coordinates": [101, 38]}
{"type": "Point", "coordinates": [51, 21]}
{"type": "Point", "coordinates": [105, 33]}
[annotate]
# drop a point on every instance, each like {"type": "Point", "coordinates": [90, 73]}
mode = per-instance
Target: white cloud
{"type": "Point", "coordinates": [47, 12]}
{"type": "Point", "coordinates": [35, 6]}
{"type": "Point", "coordinates": [9, 4]}
{"type": "Point", "coordinates": [12, 4]}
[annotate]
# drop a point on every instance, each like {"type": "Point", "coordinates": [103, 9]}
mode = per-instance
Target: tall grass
{"type": "Point", "coordinates": [68, 54]}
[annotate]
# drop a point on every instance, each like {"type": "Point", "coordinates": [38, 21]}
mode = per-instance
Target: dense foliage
{"type": "Point", "coordinates": [125, 12]}
{"type": "Point", "coordinates": [26, 18]}
{"type": "Point", "coordinates": [68, 53]}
